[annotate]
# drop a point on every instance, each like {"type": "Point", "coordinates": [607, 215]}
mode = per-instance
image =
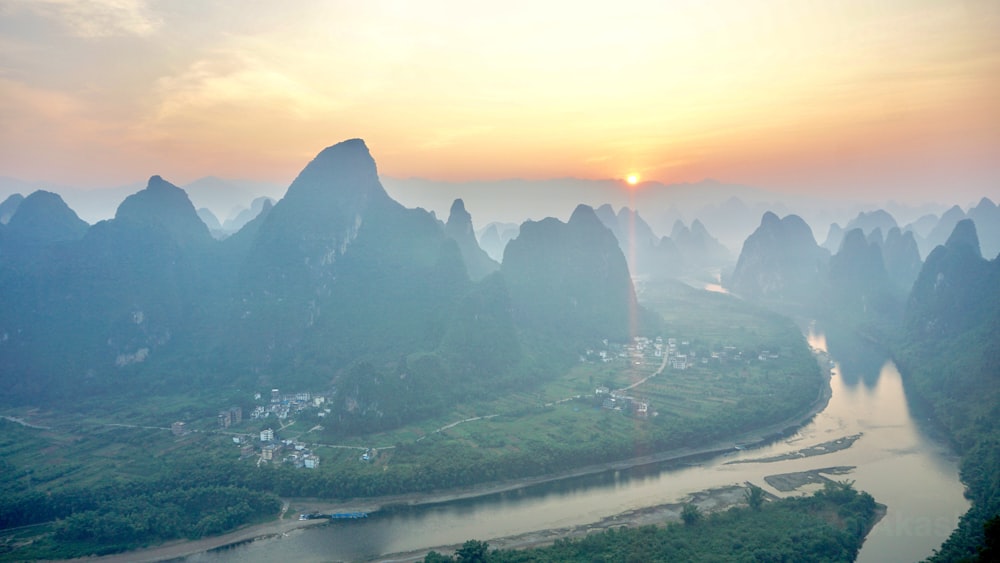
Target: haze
{"type": "Point", "coordinates": [895, 100]}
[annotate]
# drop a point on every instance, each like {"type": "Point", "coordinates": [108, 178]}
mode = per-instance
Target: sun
{"type": "Point", "coordinates": [632, 179]}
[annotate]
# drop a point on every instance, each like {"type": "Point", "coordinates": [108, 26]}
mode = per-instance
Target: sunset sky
{"type": "Point", "coordinates": [854, 98]}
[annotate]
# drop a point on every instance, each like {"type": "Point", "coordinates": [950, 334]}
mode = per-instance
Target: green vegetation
{"type": "Point", "coordinates": [827, 526]}
{"type": "Point", "coordinates": [957, 378]}
{"type": "Point", "coordinates": [950, 355]}
{"type": "Point", "coordinates": [97, 489]}
{"type": "Point", "coordinates": [553, 424]}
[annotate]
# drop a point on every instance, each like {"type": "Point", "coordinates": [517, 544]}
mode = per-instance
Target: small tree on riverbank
{"type": "Point", "coordinates": [691, 514]}
{"type": "Point", "coordinates": [754, 496]}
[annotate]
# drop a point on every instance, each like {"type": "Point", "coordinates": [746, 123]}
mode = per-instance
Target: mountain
{"type": "Point", "coordinates": [954, 287]}
{"type": "Point", "coordinates": [951, 360]}
{"type": "Point", "coordinates": [986, 216]}
{"type": "Point", "coordinates": [244, 216]}
{"type": "Point", "coordinates": [210, 220]}
{"type": "Point", "coordinates": [459, 228]}
{"type": "Point", "coordinates": [165, 206]}
{"type": "Point", "coordinates": [942, 230]}
{"type": "Point", "coordinates": [93, 205]}
{"type": "Point", "coordinates": [698, 248]}
{"type": "Point", "coordinates": [113, 295]}
{"type": "Point", "coordinates": [570, 279]}
{"type": "Point", "coordinates": [221, 195]}
{"type": "Point", "coordinates": [686, 252]}
{"type": "Point", "coordinates": [834, 237]}
{"type": "Point", "coordinates": [780, 260]}
{"type": "Point", "coordinates": [859, 284]}
{"type": "Point", "coordinates": [9, 206]}
{"type": "Point", "coordinates": [606, 214]}
{"type": "Point", "coordinates": [923, 225]}
{"type": "Point", "coordinates": [338, 271]}
{"type": "Point", "coordinates": [634, 229]}
{"type": "Point", "coordinates": [869, 221]}
{"type": "Point", "coordinates": [902, 259]}
{"type": "Point", "coordinates": [43, 217]}
{"type": "Point", "coordinates": [494, 237]}
{"type": "Point", "coordinates": [336, 287]}
{"type": "Point", "coordinates": [635, 238]}
{"type": "Point", "coordinates": [731, 220]}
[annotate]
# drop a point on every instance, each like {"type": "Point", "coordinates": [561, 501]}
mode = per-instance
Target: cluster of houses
{"type": "Point", "coordinates": [635, 352]}
{"type": "Point", "coordinates": [287, 451]}
{"type": "Point", "coordinates": [270, 449]}
{"type": "Point", "coordinates": [679, 353]}
{"type": "Point", "coordinates": [281, 406]}
{"type": "Point", "coordinates": [617, 400]}
{"type": "Point", "coordinates": [675, 354]}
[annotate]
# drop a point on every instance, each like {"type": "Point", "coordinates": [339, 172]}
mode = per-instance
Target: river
{"type": "Point", "coordinates": [900, 459]}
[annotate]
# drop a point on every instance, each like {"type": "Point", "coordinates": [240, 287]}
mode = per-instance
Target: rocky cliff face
{"type": "Point", "coordinates": [956, 288]}
{"type": "Point", "coordinates": [780, 260]}
{"type": "Point", "coordinates": [459, 228]}
{"type": "Point", "coordinates": [570, 278]}
{"type": "Point", "coordinates": [858, 281]}
{"type": "Point", "coordinates": [902, 259]}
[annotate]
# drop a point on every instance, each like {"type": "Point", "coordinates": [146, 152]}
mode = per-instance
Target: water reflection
{"type": "Point", "coordinates": [896, 459]}
{"type": "Point", "coordinates": [861, 361]}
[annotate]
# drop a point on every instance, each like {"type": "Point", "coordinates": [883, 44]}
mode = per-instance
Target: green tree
{"type": "Point", "coordinates": [691, 514]}
{"type": "Point", "coordinates": [473, 551]}
{"type": "Point", "coordinates": [754, 496]}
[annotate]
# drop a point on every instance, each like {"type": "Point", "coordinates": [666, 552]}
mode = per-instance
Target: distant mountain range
{"type": "Point", "coordinates": [225, 198]}
{"type": "Point", "coordinates": [929, 231]}
{"type": "Point", "coordinates": [685, 253]}
{"type": "Point", "coordinates": [729, 211]}
{"type": "Point", "coordinates": [869, 276]}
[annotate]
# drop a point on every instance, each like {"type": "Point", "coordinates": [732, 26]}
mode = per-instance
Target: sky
{"type": "Point", "coordinates": [893, 99]}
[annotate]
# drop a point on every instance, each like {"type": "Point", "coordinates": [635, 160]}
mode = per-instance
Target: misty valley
{"type": "Point", "coordinates": [334, 375]}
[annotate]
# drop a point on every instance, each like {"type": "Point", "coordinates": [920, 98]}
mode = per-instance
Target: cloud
{"type": "Point", "coordinates": [235, 86]}
{"type": "Point", "coordinates": [95, 19]}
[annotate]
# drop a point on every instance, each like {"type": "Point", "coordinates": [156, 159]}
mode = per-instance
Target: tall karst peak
{"type": "Point", "coordinates": [779, 260]}
{"type": "Point", "coordinates": [964, 234]}
{"type": "Point", "coordinates": [323, 210]}
{"type": "Point", "coordinates": [458, 216]}
{"type": "Point", "coordinates": [586, 226]}
{"type": "Point", "coordinates": [986, 203]}
{"type": "Point", "coordinates": [570, 278]}
{"type": "Point", "coordinates": [164, 205]}
{"type": "Point", "coordinates": [769, 219]}
{"type": "Point", "coordinates": [607, 215]}
{"type": "Point", "coordinates": [902, 258]}
{"type": "Point", "coordinates": [478, 264]}
{"type": "Point", "coordinates": [9, 206]}
{"type": "Point", "coordinates": [44, 217]}
{"type": "Point", "coordinates": [584, 215]}
{"type": "Point", "coordinates": [343, 174]}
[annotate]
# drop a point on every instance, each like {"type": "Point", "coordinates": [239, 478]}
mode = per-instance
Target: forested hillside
{"type": "Point", "coordinates": [951, 355]}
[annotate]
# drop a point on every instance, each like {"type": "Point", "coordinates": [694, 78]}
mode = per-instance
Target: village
{"type": "Point", "coordinates": [267, 446]}
{"type": "Point", "coordinates": [667, 353]}
{"type": "Point", "coordinates": [651, 356]}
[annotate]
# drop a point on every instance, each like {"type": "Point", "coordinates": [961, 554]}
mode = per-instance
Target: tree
{"type": "Point", "coordinates": [691, 514]}
{"type": "Point", "coordinates": [754, 496]}
{"type": "Point", "coordinates": [473, 551]}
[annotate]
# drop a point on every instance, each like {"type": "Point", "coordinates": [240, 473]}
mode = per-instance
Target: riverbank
{"type": "Point", "coordinates": [712, 500]}
{"type": "Point", "coordinates": [708, 501]}
{"type": "Point", "coordinates": [180, 549]}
